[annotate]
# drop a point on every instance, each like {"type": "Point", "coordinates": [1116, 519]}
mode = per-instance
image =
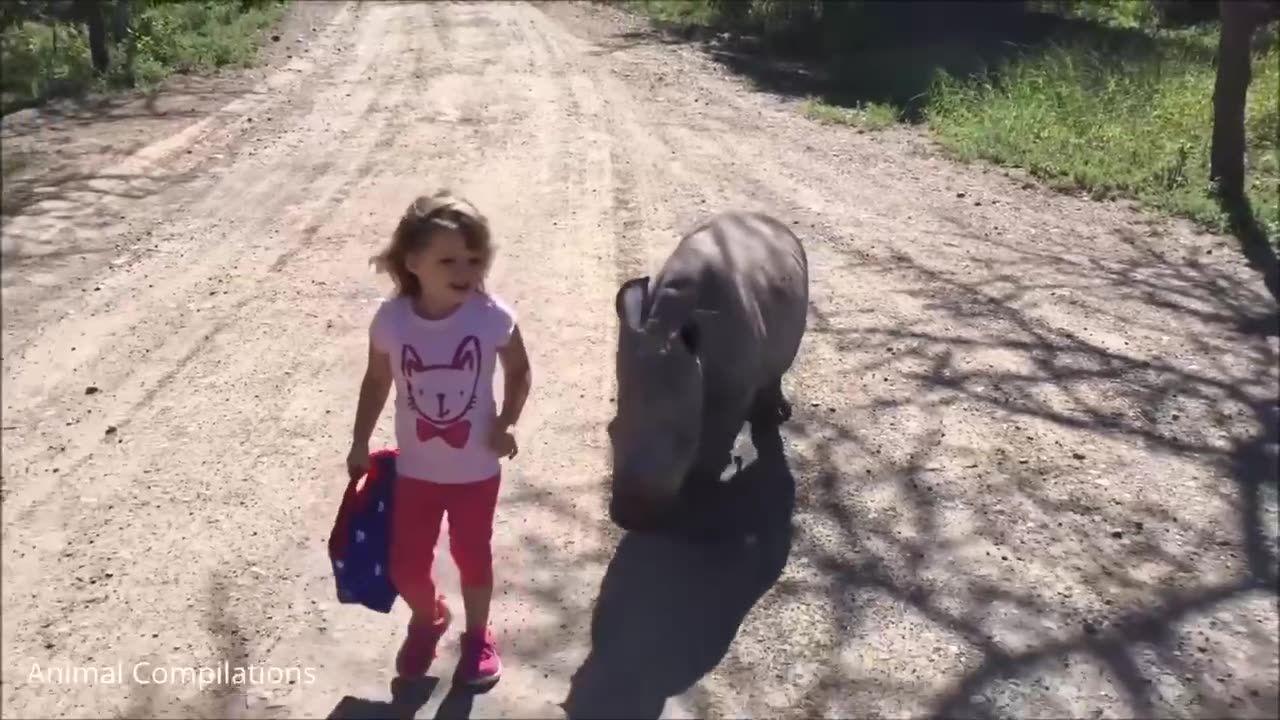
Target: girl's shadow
{"type": "Point", "coordinates": [668, 609]}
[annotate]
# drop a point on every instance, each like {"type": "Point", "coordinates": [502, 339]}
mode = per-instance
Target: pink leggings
{"type": "Point", "coordinates": [419, 507]}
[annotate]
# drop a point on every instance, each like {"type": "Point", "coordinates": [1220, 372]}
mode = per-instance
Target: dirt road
{"type": "Point", "coordinates": [1033, 457]}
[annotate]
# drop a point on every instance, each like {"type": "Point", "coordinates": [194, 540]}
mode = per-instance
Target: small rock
{"type": "Point", "coordinates": [1090, 628]}
{"type": "Point", "coordinates": [112, 429]}
{"type": "Point", "coordinates": [275, 38]}
{"type": "Point", "coordinates": [1117, 534]}
{"type": "Point", "coordinates": [1077, 455]}
{"type": "Point", "coordinates": [91, 390]}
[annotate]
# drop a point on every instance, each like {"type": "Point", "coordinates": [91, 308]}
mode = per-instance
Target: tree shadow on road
{"type": "Point", "coordinates": [186, 97]}
{"type": "Point", "coordinates": [70, 193]}
{"type": "Point", "coordinates": [61, 152]}
{"type": "Point", "coordinates": [1135, 572]}
{"type": "Point", "coordinates": [1040, 482]}
{"type": "Point", "coordinates": [668, 610]}
{"type": "Point", "coordinates": [1255, 244]}
{"type": "Point", "coordinates": [890, 52]}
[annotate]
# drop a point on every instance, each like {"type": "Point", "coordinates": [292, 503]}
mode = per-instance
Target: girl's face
{"type": "Point", "coordinates": [447, 269]}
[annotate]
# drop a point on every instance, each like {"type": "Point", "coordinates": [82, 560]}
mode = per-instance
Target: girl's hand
{"type": "Point", "coordinates": [502, 441]}
{"type": "Point", "coordinates": [358, 461]}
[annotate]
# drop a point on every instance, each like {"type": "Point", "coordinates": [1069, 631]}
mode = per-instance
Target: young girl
{"type": "Point", "coordinates": [437, 339]}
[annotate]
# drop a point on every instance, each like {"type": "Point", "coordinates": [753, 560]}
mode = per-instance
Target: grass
{"type": "Point", "coordinates": [867, 116]}
{"type": "Point", "coordinates": [1100, 100]}
{"type": "Point", "coordinates": [693, 13]}
{"type": "Point", "coordinates": [47, 59]}
{"type": "Point", "coordinates": [1079, 119]}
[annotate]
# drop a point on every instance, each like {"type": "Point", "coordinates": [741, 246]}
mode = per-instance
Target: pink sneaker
{"type": "Point", "coordinates": [479, 663]}
{"type": "Point", "coordinates": [420, 642]}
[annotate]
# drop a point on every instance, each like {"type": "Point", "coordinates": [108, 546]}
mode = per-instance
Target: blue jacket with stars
{"type": "Point", "coordinates": [360, 542]}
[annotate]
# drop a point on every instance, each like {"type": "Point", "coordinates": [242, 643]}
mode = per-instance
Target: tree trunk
{"type": "Point", "coordinates": [1230, 92]}
{"type": "Point", "coordinates": [124, 34]}
{"type": "Point", "coordinates": [120, 20]}
{"type": "Point", "coordinates": [1240, 18]}
{"type": "Point", "coordinates": [91, 11]}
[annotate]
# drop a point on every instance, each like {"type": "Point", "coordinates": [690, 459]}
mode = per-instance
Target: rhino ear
{"type": "Point", "coordinates": [630, 302]}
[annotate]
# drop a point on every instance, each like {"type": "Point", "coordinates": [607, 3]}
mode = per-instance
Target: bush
{"type": "Point", "coordinates": [45, 53]}
{"type": "Point", "coordinates": [1137, 127]}
{"type": "Point", "coordinates": [1110, 96]}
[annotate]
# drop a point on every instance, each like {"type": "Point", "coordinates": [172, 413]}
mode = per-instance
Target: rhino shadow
{"type": "Point", "coordinates": [668, 609]}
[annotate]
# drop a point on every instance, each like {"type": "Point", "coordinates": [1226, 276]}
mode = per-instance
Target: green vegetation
{"type": "Point", "coordinates": [870, 116]}
{"type": "Point", "coordinates": [45, 47]}
{"type": "Point", "coordinates": [680, 12]}
{"type": "Point", "coordinates": [1139, 128]}
{"type": "Point", "coordinates": [1113, 97]}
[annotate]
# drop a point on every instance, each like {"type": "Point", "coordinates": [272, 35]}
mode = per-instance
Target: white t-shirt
{"type": "Point", "coordinates": [443, 370]}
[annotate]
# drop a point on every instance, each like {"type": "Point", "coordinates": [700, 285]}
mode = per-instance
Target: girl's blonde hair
{"type": "Point", "coordinates": [427, 215]}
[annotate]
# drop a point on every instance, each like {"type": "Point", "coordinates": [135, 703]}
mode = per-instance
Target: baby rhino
{"type": "Point", "coordinates": [702, 349]}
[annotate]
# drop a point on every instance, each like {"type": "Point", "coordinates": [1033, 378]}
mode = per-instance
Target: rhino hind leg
{"type": "Point", "coordinates": [770, 407]}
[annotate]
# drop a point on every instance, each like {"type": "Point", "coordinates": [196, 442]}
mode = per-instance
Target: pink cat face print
{"type": "Point", "coordinates": [442, 395]}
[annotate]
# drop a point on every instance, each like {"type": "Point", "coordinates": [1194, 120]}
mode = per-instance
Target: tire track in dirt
{"type": "Point", "coordinates": [100, 322]}
{"type": "Point", "coordinates": [320, 198]}
{"type": "Point", "coordinates": [753, 677]}
{"type": "Point", "coordinates": [688, 198]}
{"type": "Point", "coordinates": [890, 271]}
{"type": "Point", "coordinates": [395, 178]}
{"type": "Point", "coordinates": [533, 185]}
{"type": "Point", "coordinates": [189, 161]}
{"type": "Point", "coordinates": [327, 190]}
{"type": "Point", "coordinates": [770, 185]}
{"type": "Point", "coordinates": [226, 474]}
{"type": "Point", "coordinates": [172, 370]}
{"type": "Point", "coordinates": [551, 266]}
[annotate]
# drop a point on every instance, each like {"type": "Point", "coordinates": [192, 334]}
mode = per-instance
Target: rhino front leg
{"type": "Point", "coordinates": [706, 516]}
{"type": "Point", "coordinates": [770, 407]}
{"type": "Point", "coordinates": [722, 420]}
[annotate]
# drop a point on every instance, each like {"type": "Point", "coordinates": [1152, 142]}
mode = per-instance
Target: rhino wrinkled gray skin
{"type": "Point", "coordinates": [702, 349]}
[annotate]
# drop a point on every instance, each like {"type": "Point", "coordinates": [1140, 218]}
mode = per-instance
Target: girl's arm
{"type": "Point", "coordinates": [517, 378]}
{"type": "Point", "coordinates": [373, 396]}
